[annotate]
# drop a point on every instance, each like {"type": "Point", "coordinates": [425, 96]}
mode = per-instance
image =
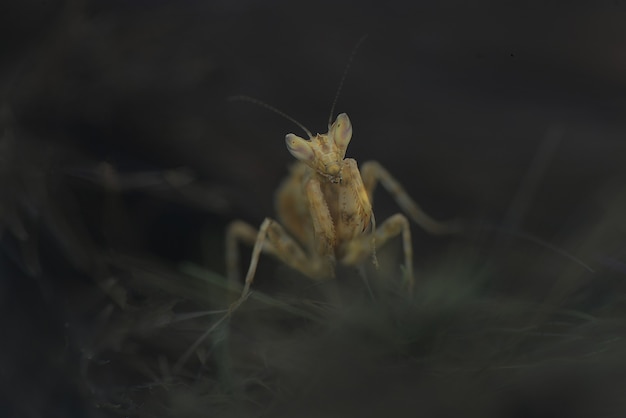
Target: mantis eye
{"type": "Point", "coordinates": [342, 132]}
{"type": "Point", "coordinates": [299, 148]}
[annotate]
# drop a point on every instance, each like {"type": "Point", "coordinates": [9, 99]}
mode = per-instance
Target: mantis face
{"type": "Point", "coordinates": [324, 152]}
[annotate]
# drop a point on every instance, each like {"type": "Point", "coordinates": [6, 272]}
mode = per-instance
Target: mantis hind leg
{"type": "Point", "coordinates": [373, 173]}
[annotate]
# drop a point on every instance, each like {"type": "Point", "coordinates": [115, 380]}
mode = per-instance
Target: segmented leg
{"type": "Point", "coordinates": [271, 238]}
{"type": "Point", "coordinates": [359, 248]}
{"type": "Point", "coordinates": [356, 209]}
{"type": "Point", "coordinates": [372, 173]}
{"type": "Point", "coordinates": [237, 232]}
{"type": "Point", "coordinates": [325, 239]}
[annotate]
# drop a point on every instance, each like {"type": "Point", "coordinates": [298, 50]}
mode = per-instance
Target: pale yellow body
{"type": "Point", "coordinates": [325, 213]}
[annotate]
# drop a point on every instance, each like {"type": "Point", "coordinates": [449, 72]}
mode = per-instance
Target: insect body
{"type": "Point", "coordinates": [325, 213]}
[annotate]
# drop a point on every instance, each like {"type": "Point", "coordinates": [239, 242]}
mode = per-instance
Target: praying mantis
{"type": "Point", "coordinates": [324, 212]}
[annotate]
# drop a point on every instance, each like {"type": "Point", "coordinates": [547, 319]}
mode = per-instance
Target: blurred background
{"type": "Point", "coordinates": [122, 160]}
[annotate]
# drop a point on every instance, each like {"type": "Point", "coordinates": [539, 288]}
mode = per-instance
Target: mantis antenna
{"type": "Point", "coordinates": [273, 109]}
{"type": "Point", "coordinates": [343, 78]}
{"type": "Point", "coordinates": [279, 112]}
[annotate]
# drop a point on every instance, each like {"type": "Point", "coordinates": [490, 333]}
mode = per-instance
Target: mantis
{"type": "Point", "coordinates": [324, 212]}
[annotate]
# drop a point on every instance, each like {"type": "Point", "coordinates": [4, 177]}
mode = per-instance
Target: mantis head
{"type": "Point", "coordinates": [324, 152]}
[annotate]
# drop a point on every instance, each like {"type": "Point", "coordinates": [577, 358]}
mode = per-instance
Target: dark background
{"type": "Point", "coordinates": [120, 139]}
